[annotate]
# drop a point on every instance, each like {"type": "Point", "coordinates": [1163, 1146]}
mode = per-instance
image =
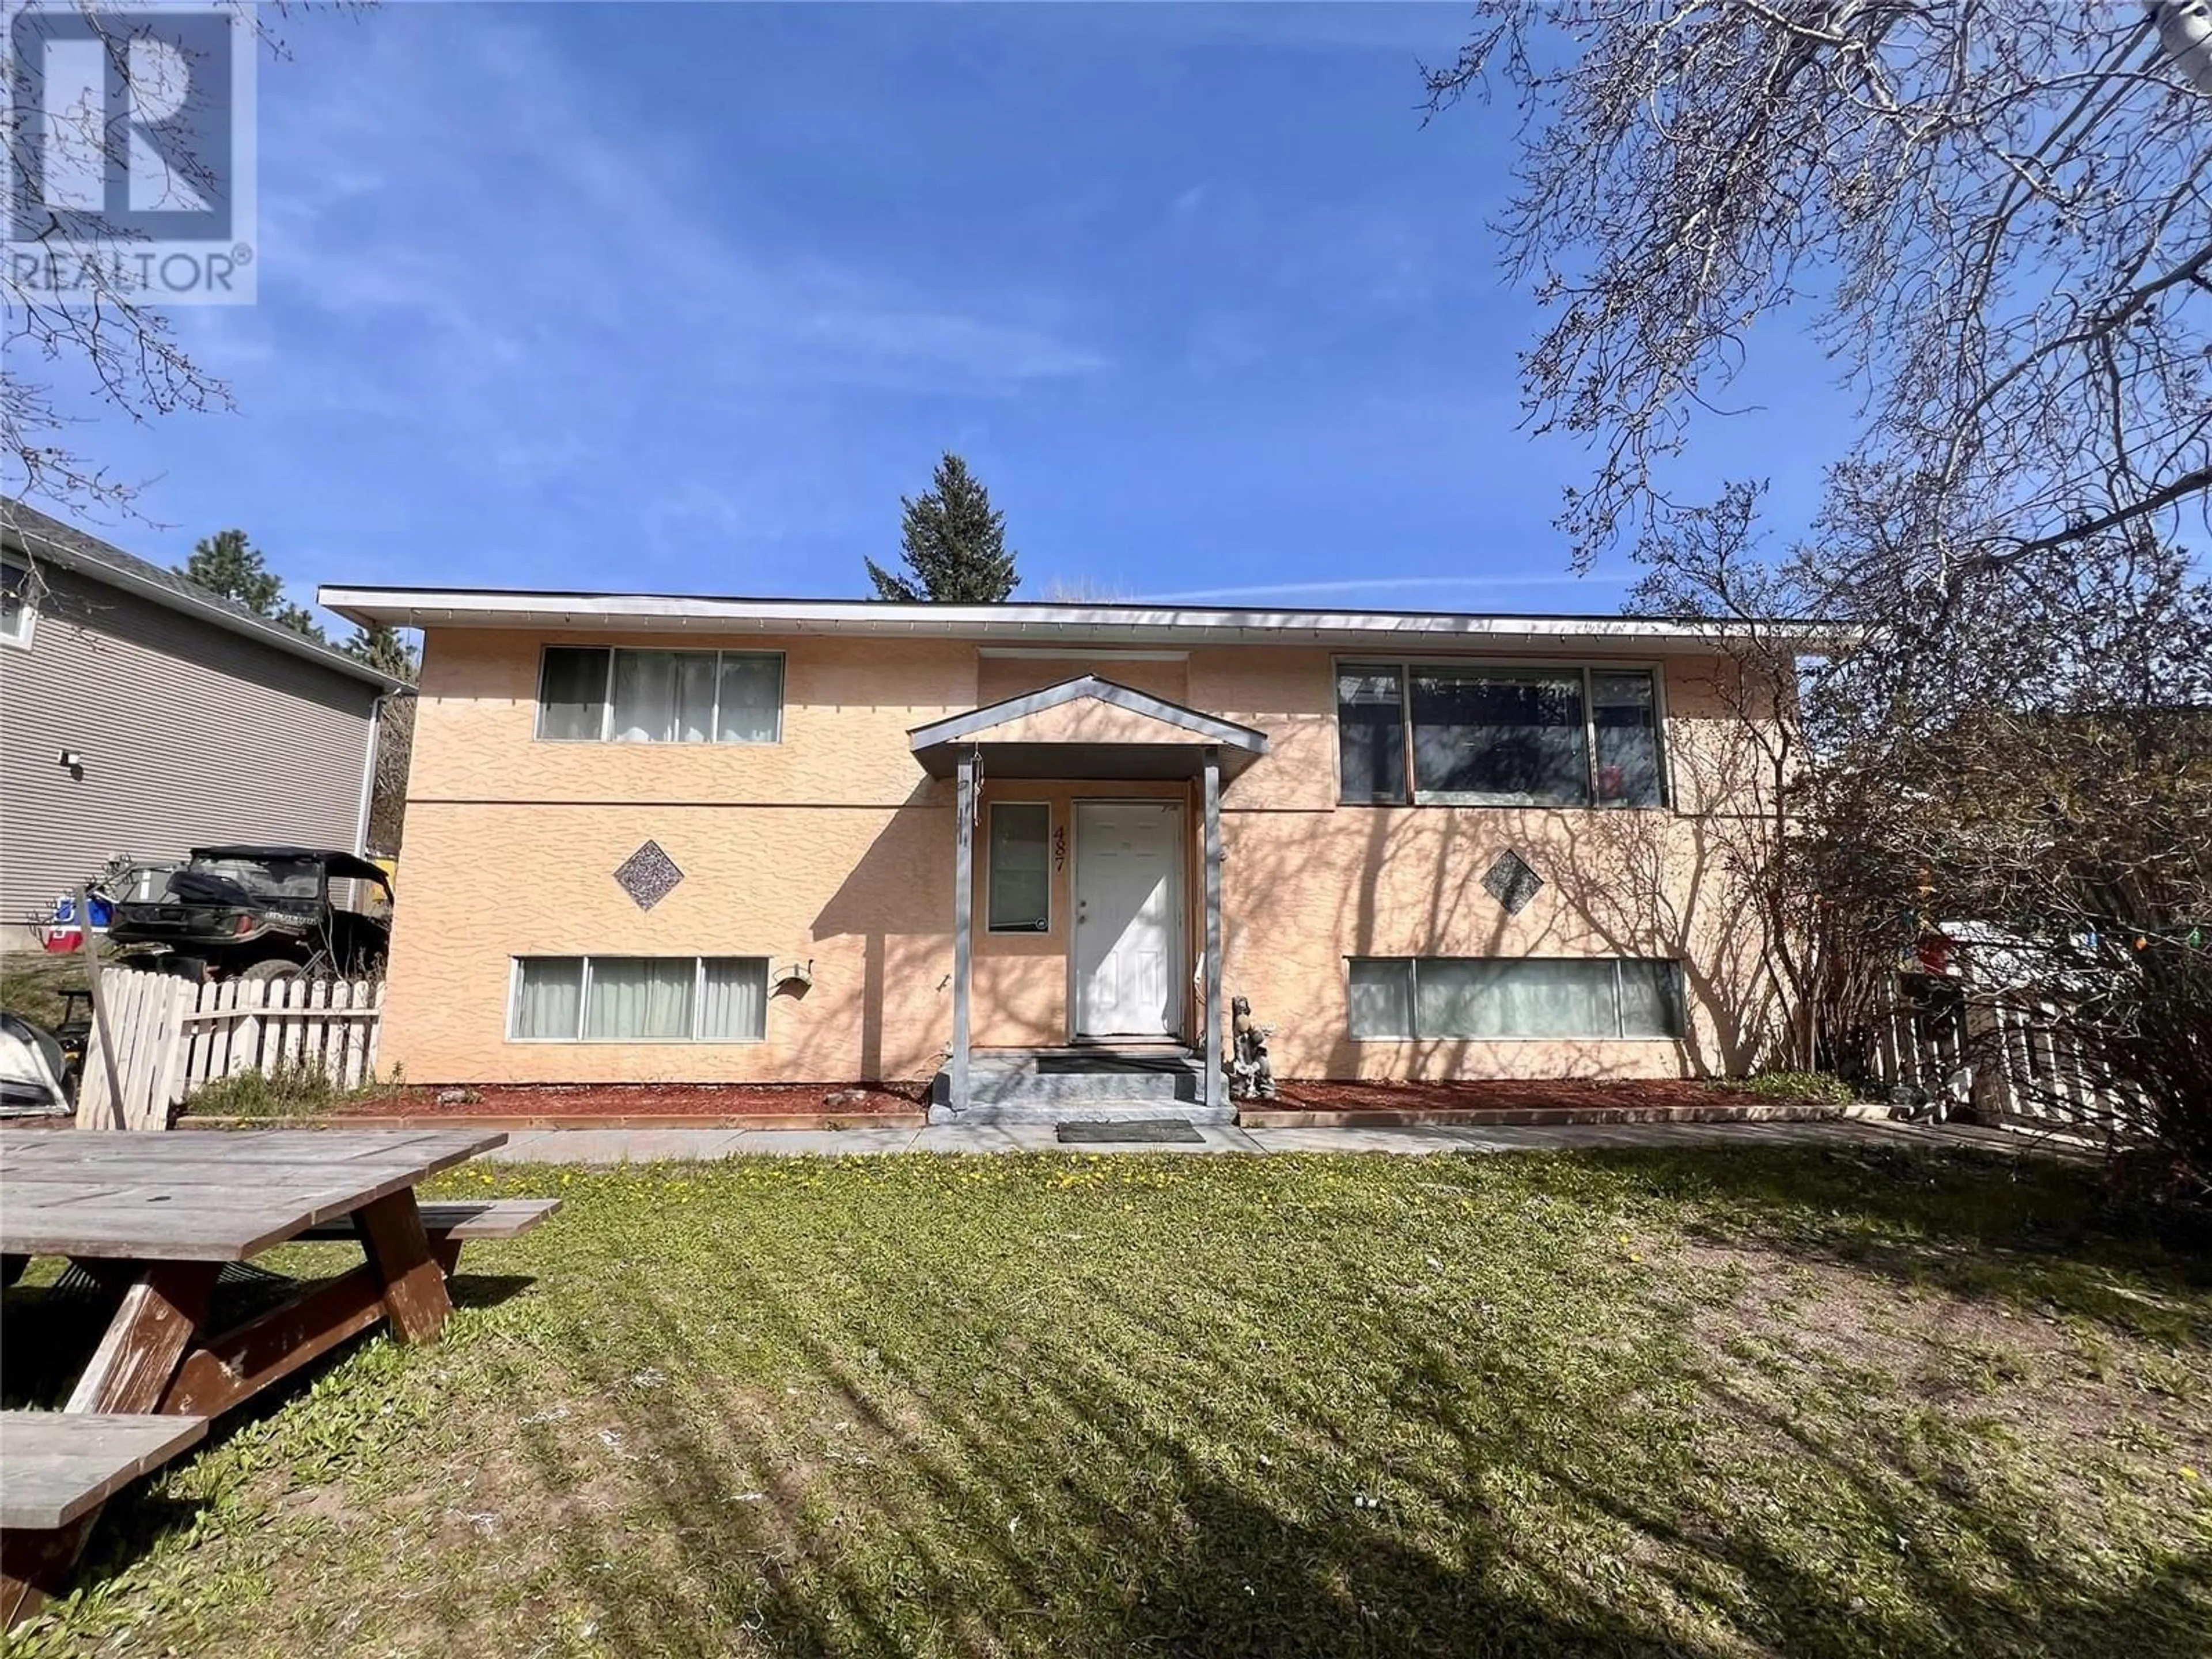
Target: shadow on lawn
{"type": "Point", "coordinates": [1792, 1599]}
{"type": "Point", "coordinates": [2036, 1230]}
{"type": "Point", "coordinates": [1085, 1504]}
{"type": "Point", "coordinates": [1204, 1567]}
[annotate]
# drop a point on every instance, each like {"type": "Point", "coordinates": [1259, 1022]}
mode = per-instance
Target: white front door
{"type": "Point", "coordinates": [1129, 918]}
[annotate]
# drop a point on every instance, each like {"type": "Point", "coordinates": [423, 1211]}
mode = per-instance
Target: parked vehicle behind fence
{"type": "Point", "coordinates": [261, 913]}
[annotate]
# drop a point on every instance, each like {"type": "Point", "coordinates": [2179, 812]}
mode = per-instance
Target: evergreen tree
{"type": "Point", "coordinates": [954, 545]}
{"type": "Point", "coordinates": [300, 620]}
{"type": "Point", "coordinates": [383, 649]}
{"type": "Point", "coordinates": [227, 563]}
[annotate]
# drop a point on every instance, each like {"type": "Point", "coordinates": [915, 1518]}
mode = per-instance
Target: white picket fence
{"type": "Point", "coordinates": [2006, 1060]}
{"type": "Point", "coordinates": [174, 1038]}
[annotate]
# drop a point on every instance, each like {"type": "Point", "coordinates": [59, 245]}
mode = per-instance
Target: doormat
{"type": "Point", "coordinates": [1091, 1132]}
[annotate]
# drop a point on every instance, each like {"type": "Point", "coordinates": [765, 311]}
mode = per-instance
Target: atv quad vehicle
{"type": "Point", "coordinates": [260, 912]}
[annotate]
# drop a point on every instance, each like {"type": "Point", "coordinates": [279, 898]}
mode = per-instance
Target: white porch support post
{"type": "Point", "coordinates": [963, 907]}
{"type": "Point", "coordinates": [1217, 1093]}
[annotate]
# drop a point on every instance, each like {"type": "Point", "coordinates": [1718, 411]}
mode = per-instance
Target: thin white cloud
{"type": "Point", "coordinates": [459, 240]}
{"type": "Point", "coordinates": [1611, 578]}
{"type": "Point", "coordinates": [971, 347]}
{"type": "Point", "coordinates": [596, 234]}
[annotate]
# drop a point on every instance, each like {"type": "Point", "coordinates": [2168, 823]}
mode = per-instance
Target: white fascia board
{"type": "Point", "coordinates": [1041, 625]}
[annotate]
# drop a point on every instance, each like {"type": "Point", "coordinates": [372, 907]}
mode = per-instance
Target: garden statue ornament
{"type": "Point", "coordinates": [1251, 1074]}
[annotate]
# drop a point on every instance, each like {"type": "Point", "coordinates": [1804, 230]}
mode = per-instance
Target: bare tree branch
{"type": "Point", "coordinates": [105, 348]}
{"type": "Point", "coordinates": [1993, 216]}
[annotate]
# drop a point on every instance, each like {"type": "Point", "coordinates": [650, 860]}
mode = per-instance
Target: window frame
{"type": "Point", "coordinates": [27, 613]}
{"type": "Point", "coordinates": [1678, 999]}
{"type": "Point", "coordinates": [607, 695]}
{"type": "Point", "coordinates": [990, 871]}
{"type": "Point", "coordinates": [1416, 796]}
{"type": "Point", "coordinates": [584, 999]}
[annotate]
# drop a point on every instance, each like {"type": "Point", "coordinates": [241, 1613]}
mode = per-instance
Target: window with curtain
{"type": "Point", "coordinates": [548, 998]}
{"type": "Point", "coordinates": [733, 1000]}
{"type": "Point", "coordinates": [1467, 734]}
{"type": "Point", "coordinates": [639, 1000]}
{"type": "Point", "coordinates": [614, 695]}
{"type": "Point", "coordinates": [1508, 997]}
{"type": "Point", "coordinates": [750, 706]}
{"type": "Point", "coordinates": [1019, 874]}
{"type": "Point", "coordinates": [572, 693]}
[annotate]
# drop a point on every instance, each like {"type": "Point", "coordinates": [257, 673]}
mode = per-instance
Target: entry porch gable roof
{"type": "Point", "coordinates": [1086, 727]}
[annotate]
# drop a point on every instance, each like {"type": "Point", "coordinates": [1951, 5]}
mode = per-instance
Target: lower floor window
{"type": "Point", "coordinates": [639, 1000]}
{"type": "Point", "coordinates": [1515, 997]}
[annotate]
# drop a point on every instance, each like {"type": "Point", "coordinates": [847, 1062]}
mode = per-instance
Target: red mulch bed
{"type": "Point", "coordinates": [645, 1100]}
{"type": "Point", "coordinates": [788, 1105]}
{"type": "Point", "coordinates": [1501, 1095]}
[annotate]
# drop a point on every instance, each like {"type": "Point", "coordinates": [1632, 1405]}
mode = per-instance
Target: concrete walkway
{"type": "Point", "coordinates": [647, 1145]}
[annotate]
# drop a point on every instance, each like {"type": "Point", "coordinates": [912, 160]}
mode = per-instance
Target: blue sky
{"type": "Point", "coordinates": [685, 298]}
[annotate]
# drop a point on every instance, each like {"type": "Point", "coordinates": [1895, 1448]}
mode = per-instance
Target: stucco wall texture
{"type": "Point", "coordinates": [833, 848]}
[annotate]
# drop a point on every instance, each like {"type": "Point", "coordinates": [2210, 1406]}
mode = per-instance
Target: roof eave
{"type": "Point", "coordinates": [1129, 624]}
{"type": "Point", "coordinates": [34, 544]}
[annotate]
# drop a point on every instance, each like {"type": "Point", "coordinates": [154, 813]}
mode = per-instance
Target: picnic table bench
{"type": "Point", "coordinates": [155, 1219]}
{"type": "Point", "coordinates": [449, 1225]}
{"type": "Point", "coordinates": [61, 1464]}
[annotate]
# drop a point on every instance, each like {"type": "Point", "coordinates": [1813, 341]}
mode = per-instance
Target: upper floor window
{"type": "Point", "coordinates": [17, 612]}
{"type": "Point", "coordinates": [599, 694]}
{"type": "Point", "coordinates": [1467, 735]}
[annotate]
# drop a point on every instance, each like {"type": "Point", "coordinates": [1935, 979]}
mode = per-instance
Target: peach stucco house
{"type": "Point", "coordinates": [681, 839]}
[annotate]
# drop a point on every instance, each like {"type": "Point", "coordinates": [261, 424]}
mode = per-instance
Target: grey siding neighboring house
{"type": "Point", "coordinates": [196, 721]}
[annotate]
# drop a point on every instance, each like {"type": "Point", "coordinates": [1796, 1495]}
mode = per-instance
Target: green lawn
{"type": "Point", "coordinates": [1705, 1402]}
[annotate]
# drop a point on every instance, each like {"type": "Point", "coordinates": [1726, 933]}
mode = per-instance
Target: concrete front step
{"type": "Point", "coordinates": [1012, 1088]}
{"type": "Point", "coordinates": [1083, 1111]}
{"type": "Point", "coordinates": [1051, 1079]}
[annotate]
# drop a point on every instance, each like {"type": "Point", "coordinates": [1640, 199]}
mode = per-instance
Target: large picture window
{"type": "Point", "coordinates": [1019, 900]}
{"type": "Point", "coordinates": [1463, 734]}
{"type": "Point", "coordinates": [639, 999]}
{"type": "Point", "coordinates": [1493, 997]}
{"type": "Point", "coordinates": [603, 694]}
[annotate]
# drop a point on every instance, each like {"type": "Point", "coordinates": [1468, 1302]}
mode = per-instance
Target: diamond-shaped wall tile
{"type": "Point", "coordinates": [1512, 882]}
{"type": "Point", "coordinates": [649, 875]}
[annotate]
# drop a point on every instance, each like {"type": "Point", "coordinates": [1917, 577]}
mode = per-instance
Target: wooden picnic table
{"type": "Point", "coordinates": [155, 1218]}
